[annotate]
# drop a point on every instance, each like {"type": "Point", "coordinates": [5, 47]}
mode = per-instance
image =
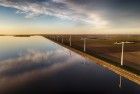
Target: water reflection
{"type": "Point", "coordinates": [32, 60]}
{"type": "Point", "coordinates": [37, 65]}
{"type": "Point", "coordinates": [120, 82]}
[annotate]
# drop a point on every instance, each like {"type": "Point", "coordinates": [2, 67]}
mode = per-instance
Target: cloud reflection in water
{"type": "Point", "coordinates": [33, 65]}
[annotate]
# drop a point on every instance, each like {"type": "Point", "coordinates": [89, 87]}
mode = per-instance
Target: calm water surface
{"type": "Point", "coordinates": [30, 65]}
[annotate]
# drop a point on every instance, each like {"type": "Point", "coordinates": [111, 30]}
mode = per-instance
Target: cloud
{"type": "Point", "coordinates": [64, 9]}
{"type": "Point", "coordinates": [96, 13]}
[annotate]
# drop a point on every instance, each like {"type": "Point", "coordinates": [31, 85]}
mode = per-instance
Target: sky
{"type": "Point", "coordinates": [70, 16]}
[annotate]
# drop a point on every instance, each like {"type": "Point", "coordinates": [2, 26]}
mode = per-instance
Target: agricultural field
{"type": "Point", "coordinates": [103, 47]}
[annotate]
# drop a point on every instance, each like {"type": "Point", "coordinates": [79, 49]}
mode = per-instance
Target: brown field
{"type": "Point", "coordinates": [103, 46]}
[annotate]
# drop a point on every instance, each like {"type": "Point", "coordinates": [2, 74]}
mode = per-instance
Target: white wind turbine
{"type": "Point", "coordinates": [122, 54]}
{"type": "Point", "coordinates": [70, 40]}
{"type": "Point", "coordinates": [62, 39]}
{"type": "Point", "coordinates": [84, 43]}
{"type": "Point", "coordinates": [57, 38]}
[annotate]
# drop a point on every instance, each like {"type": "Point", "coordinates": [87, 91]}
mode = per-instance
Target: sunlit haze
{"type": "Point", "coordinates": [70, 16]}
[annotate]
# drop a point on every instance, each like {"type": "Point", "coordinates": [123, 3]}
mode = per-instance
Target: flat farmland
{"type": "Point", "coordinates": [103, 46]}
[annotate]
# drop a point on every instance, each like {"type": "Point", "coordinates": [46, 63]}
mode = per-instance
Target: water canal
{"type": "Point", "coordinates": [30, 65]}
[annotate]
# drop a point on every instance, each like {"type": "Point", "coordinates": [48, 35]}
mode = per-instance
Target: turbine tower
{"type": "Point", "coordinates": [122, 54]}
{"type": "Point", "coordinates": [62, 39]}
{"type": "Point", "coordinates": [84, 43]}
{"type": "Point", "coordinates": [70, 40]}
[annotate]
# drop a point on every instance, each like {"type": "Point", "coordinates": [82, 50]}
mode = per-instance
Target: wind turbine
{"type": "Point", "coordinates": [122, 54]}
{"type": "Point", "coordinates": [57, 38]}
{"type": "Point", "coordinates": [62, 39]}
{"type": "Point", "coordinates": [53, 37]}
{"type": "Point", "coordinates": [70, 40]}
{"type": "Point", "coordinates": [84, 43]}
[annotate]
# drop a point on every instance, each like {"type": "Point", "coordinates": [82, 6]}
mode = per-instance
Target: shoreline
{"type": "Point", "coordinates": [118, 70]}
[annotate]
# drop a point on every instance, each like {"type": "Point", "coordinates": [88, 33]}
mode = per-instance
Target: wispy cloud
{"type": "Point", "coordinates": [63, 9]}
